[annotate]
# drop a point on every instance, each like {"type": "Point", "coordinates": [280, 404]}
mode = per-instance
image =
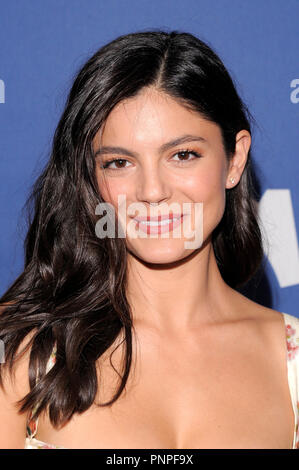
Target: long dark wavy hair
{"type": "Point", "coordinates": [72, 291]}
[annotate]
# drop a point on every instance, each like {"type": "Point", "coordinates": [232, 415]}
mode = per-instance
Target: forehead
{"type": "Point", "coordinates": [153, 116]}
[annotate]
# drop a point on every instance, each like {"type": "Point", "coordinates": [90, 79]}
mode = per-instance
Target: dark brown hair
{"type": "Point", "coordinates": [72, 291]}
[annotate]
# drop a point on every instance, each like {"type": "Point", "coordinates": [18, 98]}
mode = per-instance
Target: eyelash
{"type": "Point", "coordinates": [106, 165]}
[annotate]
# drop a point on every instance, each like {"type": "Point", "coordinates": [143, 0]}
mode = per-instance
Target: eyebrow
{"type": "Point", "coordinates": [172, 143]}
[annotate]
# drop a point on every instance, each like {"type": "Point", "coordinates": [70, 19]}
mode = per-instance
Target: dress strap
{"type": "Point", "coordinates": [32, 421]}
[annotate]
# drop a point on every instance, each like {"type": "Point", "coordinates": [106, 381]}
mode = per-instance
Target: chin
{"type": "Point", "coordinates": [163, 254]}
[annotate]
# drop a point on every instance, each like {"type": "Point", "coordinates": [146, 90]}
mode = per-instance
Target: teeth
{"type": "Point", "coordinates": [155, 223]}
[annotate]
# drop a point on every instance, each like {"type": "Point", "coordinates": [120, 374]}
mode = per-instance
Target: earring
{"type": "Point", "coordinates": [232, 180]}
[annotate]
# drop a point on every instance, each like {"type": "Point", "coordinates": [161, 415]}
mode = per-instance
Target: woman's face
{"type": "Point", "coordinates": [150, 171]}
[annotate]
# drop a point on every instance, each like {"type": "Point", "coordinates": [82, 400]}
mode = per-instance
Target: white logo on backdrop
{"type": "Point", "coordinates": [2, 91]}
{"type": "Point", "coordinates": [279, 235]}
{"type": "Point", "coordinates": [294, 97]}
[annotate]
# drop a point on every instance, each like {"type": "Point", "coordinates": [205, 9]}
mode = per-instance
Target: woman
{"type": "Point", "coordinates": [139, 339]}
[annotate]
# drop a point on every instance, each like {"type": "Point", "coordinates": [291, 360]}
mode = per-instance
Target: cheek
{"type": "Point", "coordinates": [111, 188]}
{"type": "Point", "coordinates": [209, 188]}
{"type": "Point", "coordinates": [205, 186]}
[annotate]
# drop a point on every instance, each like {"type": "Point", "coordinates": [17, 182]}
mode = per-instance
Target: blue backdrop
{"type": "Point", "coordinates": [43, 43]}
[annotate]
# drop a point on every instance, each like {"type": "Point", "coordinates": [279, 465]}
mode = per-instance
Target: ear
{"type": "Point", "coordinates": [239, 159]}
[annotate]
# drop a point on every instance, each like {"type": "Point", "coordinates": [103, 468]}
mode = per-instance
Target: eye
{"type": "Point", "coordinates": [186, 154]}
{"type": "Point", "coordinates": [118, 161]}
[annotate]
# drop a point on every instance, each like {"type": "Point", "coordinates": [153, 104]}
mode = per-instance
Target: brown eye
{"type": "Point", "coordinates": [186, 154]}
{"type": "Point", "coordinates": [118, 161]}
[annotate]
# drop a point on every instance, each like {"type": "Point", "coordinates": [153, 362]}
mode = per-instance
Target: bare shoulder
{"type": "Point", "coordinates": [253, 319]}
{"type": "Point", "coordinates": [14, 387]}
{"type": "Point", "coordinates": [248, 309]}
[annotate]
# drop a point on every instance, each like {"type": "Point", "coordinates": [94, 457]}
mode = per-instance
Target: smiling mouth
{"type": "Point", "coordinates": [164, 224]}
{"type": "Point", "coordinates": [155, 221]}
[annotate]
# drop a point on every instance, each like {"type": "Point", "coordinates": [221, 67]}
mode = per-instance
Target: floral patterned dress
{"type": "Point", "coordinates": [292, 340]}
{"type": "Point", "coordinates": [292, 359]}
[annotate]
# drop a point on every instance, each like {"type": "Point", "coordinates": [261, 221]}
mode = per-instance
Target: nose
{"type": "Point", "coordinates": [153, 187]}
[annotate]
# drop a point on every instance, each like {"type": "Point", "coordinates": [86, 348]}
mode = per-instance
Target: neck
{"type": "Point", "coordinates": [179, 296]}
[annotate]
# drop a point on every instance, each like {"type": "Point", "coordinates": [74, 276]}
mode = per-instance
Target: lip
{"type": "Point", "coordinates": [158, 218]}
{"type": "Point", "coordinates": [158, 228]}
